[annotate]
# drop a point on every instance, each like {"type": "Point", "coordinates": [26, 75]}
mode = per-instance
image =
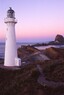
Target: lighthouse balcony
{"type": "Point", "coordinates": [10, 20]}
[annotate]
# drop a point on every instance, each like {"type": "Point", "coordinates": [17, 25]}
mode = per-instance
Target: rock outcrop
{"type": "Point", "coordinates": [54, 53]}
{"type": "Point", "coordinates": [59, 38]}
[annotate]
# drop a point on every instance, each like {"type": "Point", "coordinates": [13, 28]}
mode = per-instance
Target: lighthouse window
{"type": "Point", "coordinates": [11, 15]}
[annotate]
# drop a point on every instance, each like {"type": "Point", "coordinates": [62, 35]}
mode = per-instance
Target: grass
{"type": "Point", "coordinates": [24, 80]}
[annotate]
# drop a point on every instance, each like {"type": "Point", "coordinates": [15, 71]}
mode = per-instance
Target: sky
{"type": "Point", "coordinates": [37, 20]}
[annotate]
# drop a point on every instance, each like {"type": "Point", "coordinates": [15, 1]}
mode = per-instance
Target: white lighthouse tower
{"type": "Point", "coordinates": [10, 46]}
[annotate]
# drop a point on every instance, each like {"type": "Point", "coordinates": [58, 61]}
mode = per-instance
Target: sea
{"type": "Point", "coordinates": [2, 47]}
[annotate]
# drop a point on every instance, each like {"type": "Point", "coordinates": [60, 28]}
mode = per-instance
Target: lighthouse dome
{"type": "Point", "coordinates": [10, 13]}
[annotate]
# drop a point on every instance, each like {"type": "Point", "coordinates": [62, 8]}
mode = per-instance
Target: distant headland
{"type": "Point", "coordinates": [59, 40]}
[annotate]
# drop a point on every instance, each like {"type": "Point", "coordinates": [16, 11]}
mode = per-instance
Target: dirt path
{"type": "Point", "coordinates": [42, 80]}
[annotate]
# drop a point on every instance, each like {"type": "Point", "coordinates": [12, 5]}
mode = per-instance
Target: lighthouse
{"type": "Point", "coordinates": [11, 58]}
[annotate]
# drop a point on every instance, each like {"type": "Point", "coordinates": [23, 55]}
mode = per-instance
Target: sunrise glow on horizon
{"type": "Point", "coordinates": [38, 20]}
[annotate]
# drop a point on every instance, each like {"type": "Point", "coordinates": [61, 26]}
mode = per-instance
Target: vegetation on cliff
{"type": "Point", "coordinates": [23, 81]}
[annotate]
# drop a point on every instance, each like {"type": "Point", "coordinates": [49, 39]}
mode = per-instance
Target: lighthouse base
{"type": "Point", "coordinates": [16, 63]}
